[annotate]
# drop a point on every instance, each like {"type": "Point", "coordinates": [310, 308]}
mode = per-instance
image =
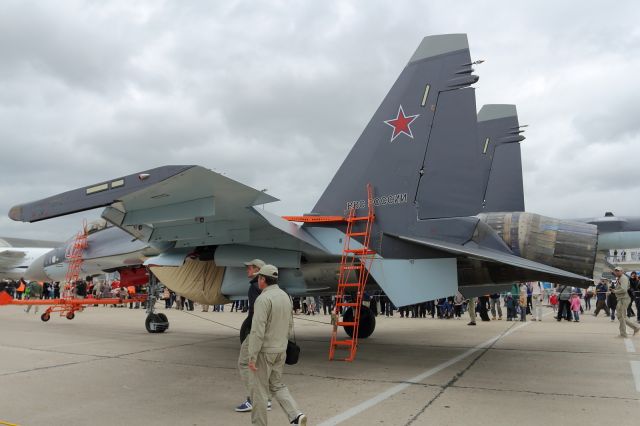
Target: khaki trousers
{"type": "Point", "coordinates": [621, 312]}
{"type": "Point", "coordinates": [471, 306]}
{"type": "Point", "coordinates": [243, 366]}
{"type": "Point", "coordinates": [537, 307]}
{"type": "Point", "coordinates": [268, 379]}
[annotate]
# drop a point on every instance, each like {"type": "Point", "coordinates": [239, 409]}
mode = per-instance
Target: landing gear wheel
{"type": "Point", "coordinates": [245, 329]}
{"type": "Point", "coordinates": [163, 318]}
{"type": "Point", "coordinates": [155, 323]}
{"type": "Point", "coordinates": [70, 315]}
{"type": "Point", "coordinates": [367, 322]}
{"type": "Point", "coordinates": [45, 317]}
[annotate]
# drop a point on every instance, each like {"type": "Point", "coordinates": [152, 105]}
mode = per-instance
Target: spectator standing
{"type": "Point", "coordinates": [575, 307]}
{"type": "Point", "coordinates": [253, 291]}
{"type": "Point", "coordinates": [564, 304]}
{"type": "Point", "coordinates": [601, 298]}
{"type": "Point", "coordinates": [536, 298]}
{"type": "Point", "coordinates": [471, 306]}
{"type": "Point", "coordinates": [588, 296]}
{"type": "Point", "coordinates": [523, 303]}
{"type": "Point", "coordinates": [634, 286]}
{"type": "Point", "coordinates": [271, 327]}
{"type": "Point", "coordinates": [494, 299]}
{"type": "Point", "coordinates": [20, 289]}
{"type": "Point", "coordinates": [612, 302]}
{"type": "Point", "coordinates": [510, 303]}
{"type": "Point", "coordinates": [621, 291]}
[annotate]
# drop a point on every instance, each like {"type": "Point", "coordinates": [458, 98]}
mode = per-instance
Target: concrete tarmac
{"type": "Point", "coordinates": [103, 368]}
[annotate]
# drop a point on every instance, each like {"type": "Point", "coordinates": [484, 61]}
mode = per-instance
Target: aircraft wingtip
{"type": "Point", "coordinates": [16, 213]}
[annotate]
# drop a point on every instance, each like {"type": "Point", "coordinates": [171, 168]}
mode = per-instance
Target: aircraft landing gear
{"type": "Point", "coordinates": [154, 323]}
{"type": "Point", "coordinates": [367, 322]}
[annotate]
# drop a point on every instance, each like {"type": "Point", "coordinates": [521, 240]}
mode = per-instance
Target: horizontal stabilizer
{"type": "Point", "coordinates": [474, 251]}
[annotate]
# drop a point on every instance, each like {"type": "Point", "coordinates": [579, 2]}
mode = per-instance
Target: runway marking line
{"type": "Point", "coordinates": [365, 405]}
{"type": "Point", "coordinates": [629, 345]}
{"type": "Point", "coordinates": [635, 369]}
{"type": "Point", "coordinates": [7, 423]}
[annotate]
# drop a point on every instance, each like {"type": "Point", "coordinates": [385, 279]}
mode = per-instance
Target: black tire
{"type": "Point", "coordinates": [245, 329]}
{"type": "Point", "coordinates": [147, 322]}
{"type": "Point", "coordinates": [367, 322]}
{"type": "Point", "coordinates": [45, 317]}
{"type": "Point", "coordinates": [163, 318]}
{"type": "Point", "coordinates": [70, 315]}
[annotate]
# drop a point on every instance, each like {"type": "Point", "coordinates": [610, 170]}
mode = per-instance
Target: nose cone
{"type": "Point", "coordinates": [35, 271]}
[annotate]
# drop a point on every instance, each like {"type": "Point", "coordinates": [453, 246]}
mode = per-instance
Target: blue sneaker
{"type": "Point", "coordinates": [244, 407]}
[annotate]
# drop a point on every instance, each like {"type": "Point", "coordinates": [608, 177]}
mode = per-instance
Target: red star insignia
{"type": "Point", "coordinates": [401, 124]}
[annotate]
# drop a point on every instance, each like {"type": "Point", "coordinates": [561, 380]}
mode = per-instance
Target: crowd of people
{"type": "Point", "coordinates": [80, 289]}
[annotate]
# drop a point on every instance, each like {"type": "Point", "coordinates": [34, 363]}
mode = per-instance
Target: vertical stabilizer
{"type": "Point", "coordinates": [420, 150]}
{"type": "Point", "coordinates": [499, 135]}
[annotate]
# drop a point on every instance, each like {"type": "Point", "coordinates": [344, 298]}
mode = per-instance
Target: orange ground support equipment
{"type": "Point", "coordinates": [74, 255]}
{"type": "Point", "coordinates": [67, 307]}
{"type": "Point", "coordinates": [354, 273]}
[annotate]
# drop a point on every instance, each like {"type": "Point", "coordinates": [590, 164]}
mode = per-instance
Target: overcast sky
{"type": "Point", "coordinates": [93, 90]}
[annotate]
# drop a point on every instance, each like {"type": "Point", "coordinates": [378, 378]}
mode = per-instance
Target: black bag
{"type": "Point", "coordinates": [293, 350]}
{"type": "Point", "coordinates": [293, 353]}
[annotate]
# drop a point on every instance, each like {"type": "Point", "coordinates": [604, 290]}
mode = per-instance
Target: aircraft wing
{"type": "Point", "coordinates": [187, 206]}
{"type": "Point", "coordinates": [9, 258]}
{"type": "Point", "coordinates": [474, 251]}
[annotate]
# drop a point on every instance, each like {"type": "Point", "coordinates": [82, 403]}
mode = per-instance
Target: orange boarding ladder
{"type": "Point", "coordinates": [354, 272]}
{"type": "Point", "coordinates": [74, 257]}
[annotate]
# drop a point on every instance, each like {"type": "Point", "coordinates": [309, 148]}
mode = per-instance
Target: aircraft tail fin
{"type": "Point", "coordinates": [420, 150]}
{"type": "Point", "coordinates": [500, 134]}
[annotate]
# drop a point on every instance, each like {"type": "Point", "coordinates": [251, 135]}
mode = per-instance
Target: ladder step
{"type": "Point", "coordinates": [349, 285]}
{"type": "Point", "coordinates": [357, 234]}
{"type": "Point", "coordinates": [347, 304]}
{"type": "Point", "coordinates": [346, 323]}
{"type": "Point", "coordinates": [357, 219]}
{"type": "Point", "coordinates": [352, 268]}
{"type": "Point", "coordinates": [360, 251]}
{"type": "Point", "coordinates": [342, 342]}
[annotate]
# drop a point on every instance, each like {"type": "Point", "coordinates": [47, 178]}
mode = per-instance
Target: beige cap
{"type": "Point", "coordinates": [618, 268]}
{"type": "Point", "coordinates": [268, 271]}
{"type": "Point", "coordinates": [255, 262]}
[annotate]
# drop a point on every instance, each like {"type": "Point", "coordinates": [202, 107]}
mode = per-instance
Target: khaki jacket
{"type": "Point", "coordinates": [622, 287]}
{"type": "Point", "coordinates": [272, 323]}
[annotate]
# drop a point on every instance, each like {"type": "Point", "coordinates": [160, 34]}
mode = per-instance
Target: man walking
{"type": "Point", "coordinates": [471, 307]}
{"type": "Point", "coordinates": [621, 291]}
{"type": "Point", "coordinates": [253, 267]}
{"type": "Point", "coordinates": [271, 328]}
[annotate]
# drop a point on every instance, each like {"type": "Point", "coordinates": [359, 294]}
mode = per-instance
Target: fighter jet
{"type": "Point", "coordinates": [437, 177]}
{"type": "Point", "coordinates": [17, 254]}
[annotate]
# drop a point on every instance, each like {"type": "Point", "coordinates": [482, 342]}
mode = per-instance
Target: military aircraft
{"type": "Point", "coordinates": [448, 205]}
{"type": "Point", "coordinates": [17, 254]}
